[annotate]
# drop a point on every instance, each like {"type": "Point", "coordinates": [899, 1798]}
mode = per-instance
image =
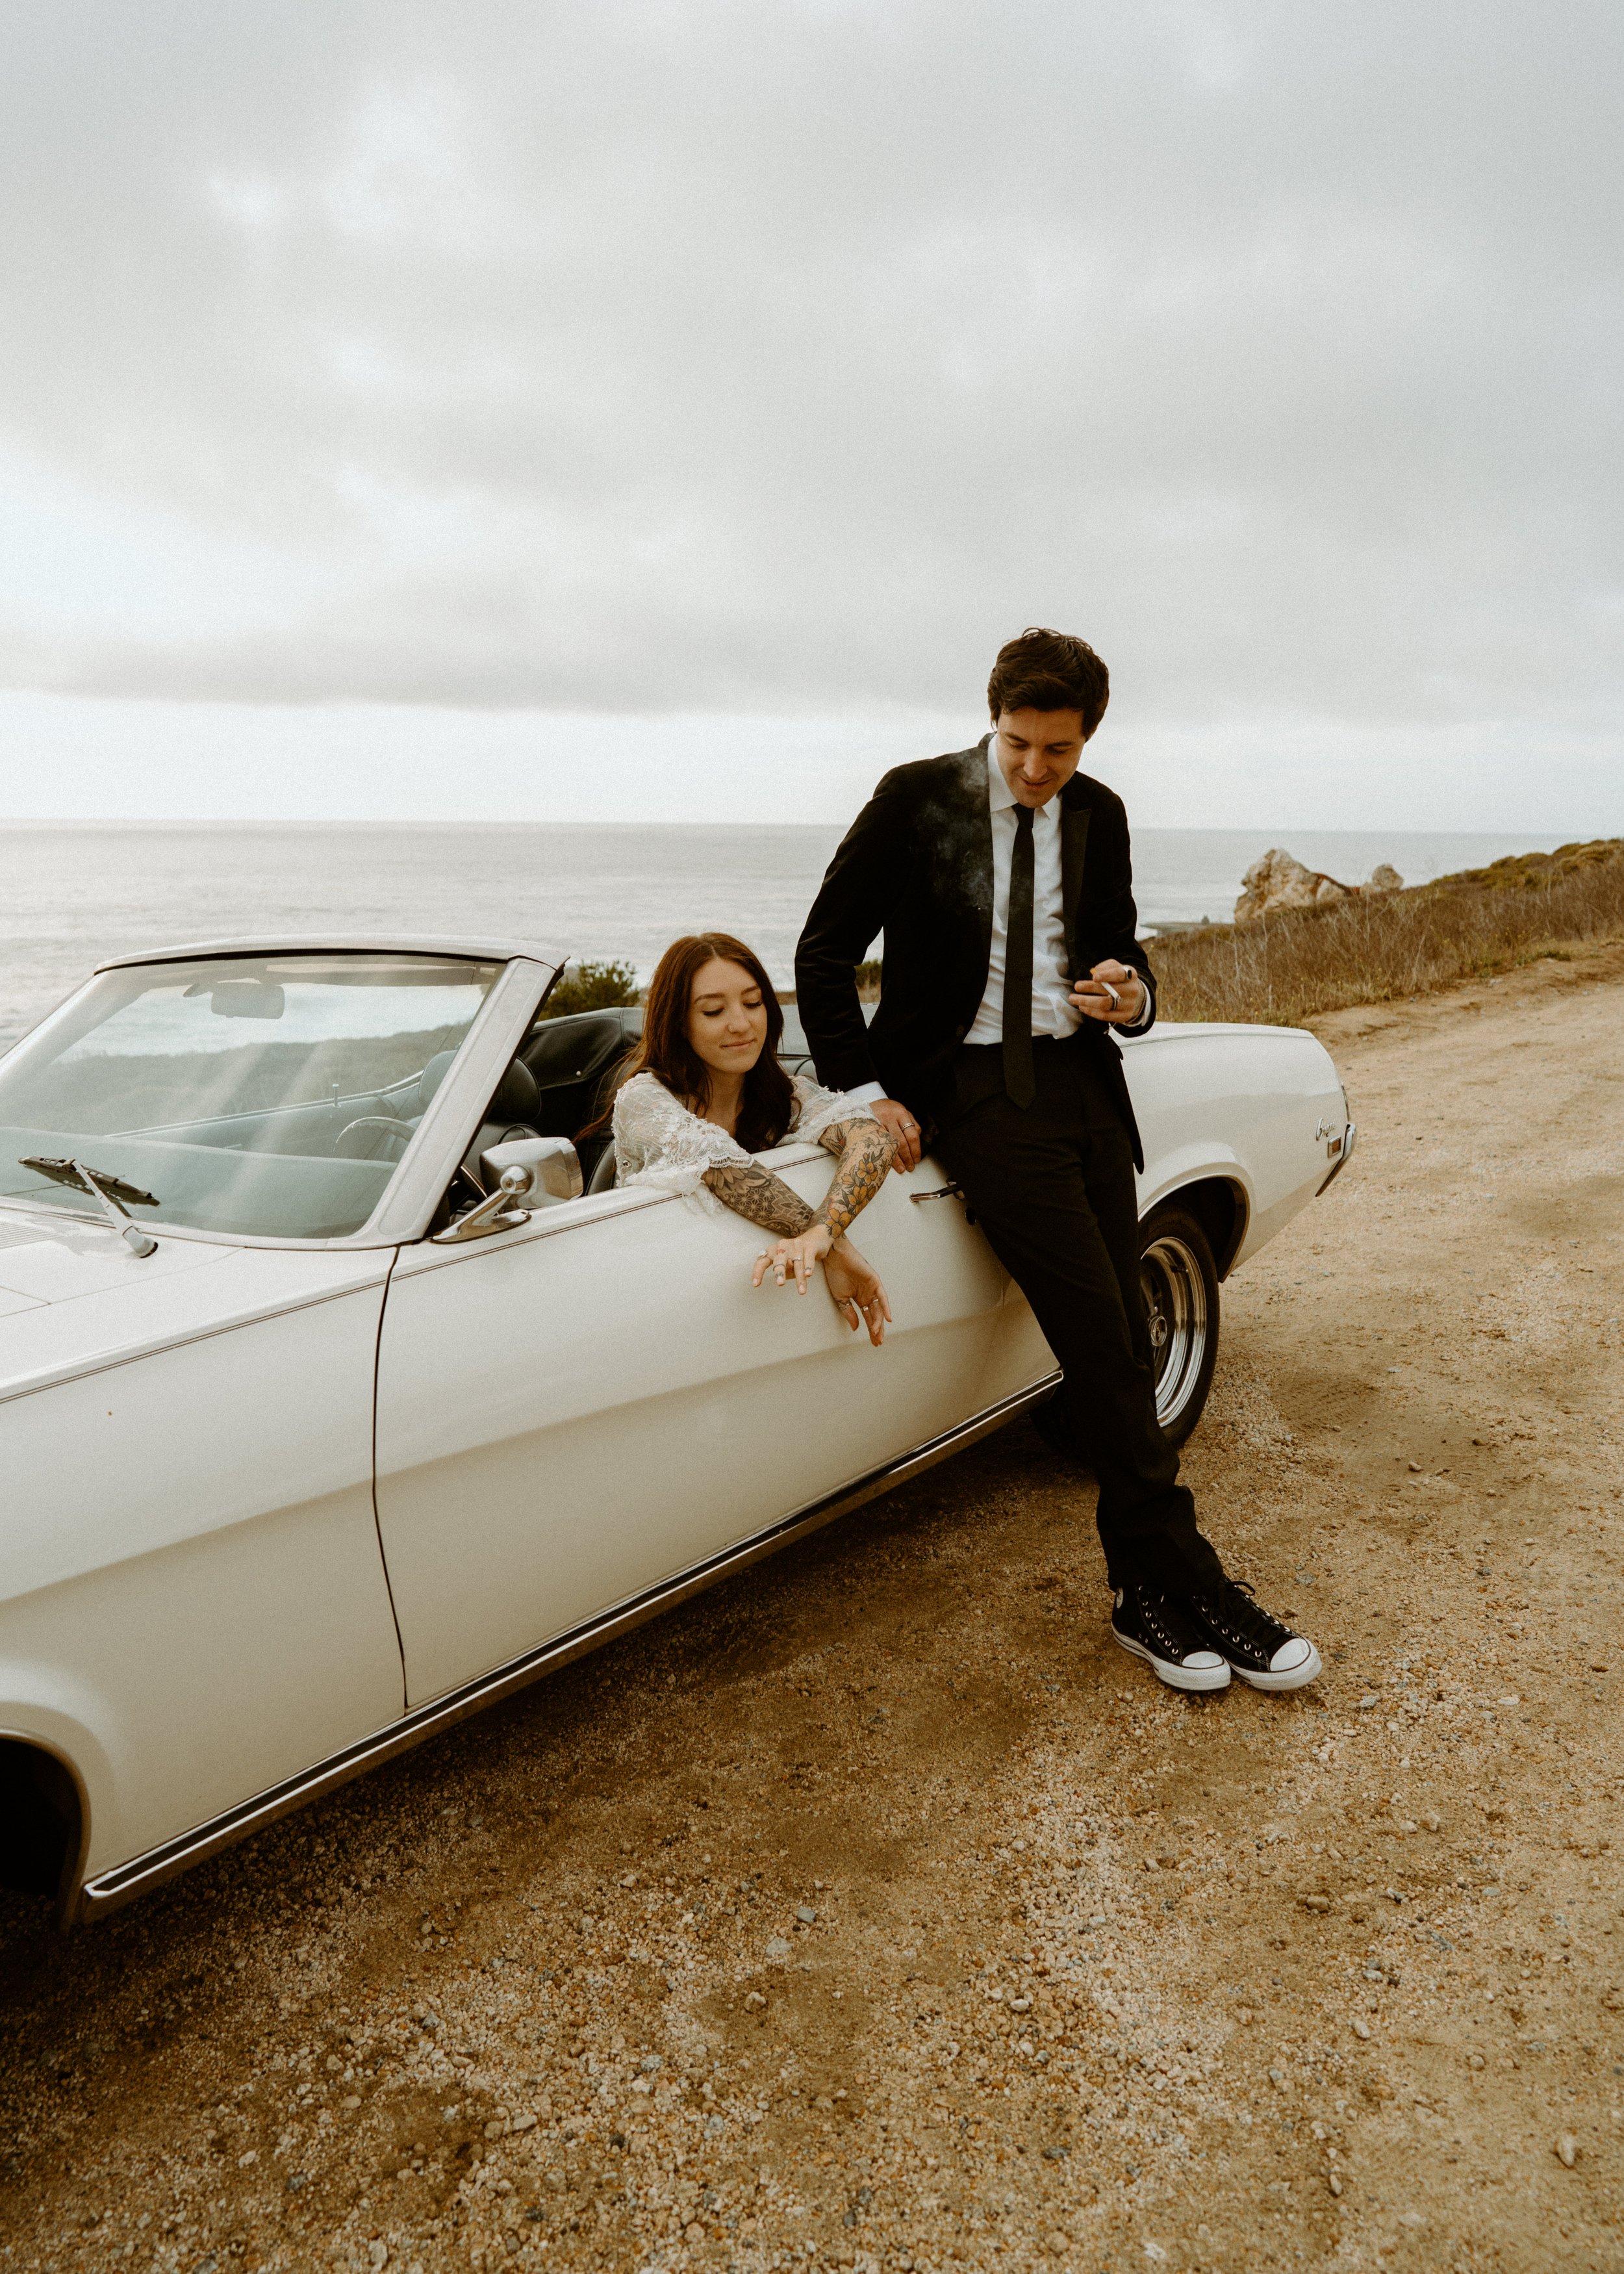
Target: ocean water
{"type": "Point", "coordinates": [73, 893]}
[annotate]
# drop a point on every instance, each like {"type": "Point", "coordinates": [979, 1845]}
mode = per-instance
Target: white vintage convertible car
{"type": "Point", "coordinates": [335, 1401]}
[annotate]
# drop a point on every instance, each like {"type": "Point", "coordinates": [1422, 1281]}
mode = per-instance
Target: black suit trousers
{"type": "Point", "coordinates": [1051, 1184]}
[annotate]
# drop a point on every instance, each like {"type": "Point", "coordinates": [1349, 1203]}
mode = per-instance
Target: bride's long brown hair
{"type": "Point", "coordinates": [664, 1051]}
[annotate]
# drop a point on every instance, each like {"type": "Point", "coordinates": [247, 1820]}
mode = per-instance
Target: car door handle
{"type": "Point", "coordinates": [947, 1192]}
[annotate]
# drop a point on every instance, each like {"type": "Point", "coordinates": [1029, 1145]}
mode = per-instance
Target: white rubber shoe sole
{"type": "Point", "coordinates": [1215, 1677]}
{"type": "Point", "coordinates": [1287, 1677]}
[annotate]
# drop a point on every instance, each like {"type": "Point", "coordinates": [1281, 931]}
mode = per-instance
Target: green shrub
{"type": "Point", "coordinates": [591, 987]}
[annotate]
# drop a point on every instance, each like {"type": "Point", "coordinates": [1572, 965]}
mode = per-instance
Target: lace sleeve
{"type": "Point", "coordinates": [660, 1145]}
{"type": "Point", "coordinates": [817, 1110]}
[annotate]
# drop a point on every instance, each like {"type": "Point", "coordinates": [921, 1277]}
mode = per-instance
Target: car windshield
{"type": "Point", "coordinates": [271, 1095]}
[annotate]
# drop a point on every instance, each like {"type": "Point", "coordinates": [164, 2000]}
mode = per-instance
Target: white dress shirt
{"type": "Point", "coordinates": [1052, 1013]}
{"type": "Point", "coordinates": [1051, 987]}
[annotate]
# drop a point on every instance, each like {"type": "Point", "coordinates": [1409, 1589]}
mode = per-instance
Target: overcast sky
{"type": "Point", "coordinates": [667, 410]}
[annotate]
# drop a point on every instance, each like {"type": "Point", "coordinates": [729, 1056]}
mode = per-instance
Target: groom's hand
{"type": "Point", "coordinates": [900, 1126]}
{"type": "Point", "coordinates": [1093, 996]}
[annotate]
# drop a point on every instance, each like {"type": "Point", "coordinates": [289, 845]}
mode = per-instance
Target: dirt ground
{"type": "Point", "coordinates": [876, 1911]}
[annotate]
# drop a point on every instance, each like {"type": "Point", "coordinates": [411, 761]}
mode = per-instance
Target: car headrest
{"type": "Point", "coordinates": [429, 1080]}
{"type": "Point", "coordinates": [576, 1048]}
{"type": "Point", "coordinates": [517, 1096]}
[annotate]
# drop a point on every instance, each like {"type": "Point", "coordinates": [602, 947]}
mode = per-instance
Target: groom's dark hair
{"type": "Point", "coordinates": [1049, 671]}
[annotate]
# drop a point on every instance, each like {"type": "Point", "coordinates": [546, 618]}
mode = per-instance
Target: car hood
{"type": "Point", "coordinates": [73, 1297]}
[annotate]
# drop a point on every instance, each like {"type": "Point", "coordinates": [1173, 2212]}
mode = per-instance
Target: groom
{"type": "Point", "coordinates": [1001, 879]}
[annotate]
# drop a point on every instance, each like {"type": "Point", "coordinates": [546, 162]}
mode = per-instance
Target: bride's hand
{"type": "Point", "coordinates": [801, 1256]}
{"type": "Point", "coordinates": [856, 1290]}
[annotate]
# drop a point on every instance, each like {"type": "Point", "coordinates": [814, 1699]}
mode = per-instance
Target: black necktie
{"type": "Point", "coordinates": [1018, 1078]}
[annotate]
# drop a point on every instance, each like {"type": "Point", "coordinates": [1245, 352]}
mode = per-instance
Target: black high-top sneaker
{"type": "Point", "coordinates": [1167, 1639]}
{"type": "Point", "coordinates": [1262, 1650]}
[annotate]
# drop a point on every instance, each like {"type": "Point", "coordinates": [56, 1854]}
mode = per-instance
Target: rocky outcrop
{"type": "Point", "coordinates": [1279, 880]}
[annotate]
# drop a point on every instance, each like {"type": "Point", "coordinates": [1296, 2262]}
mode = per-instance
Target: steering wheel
{"type": "Point", "coordinates": [375, 1130]}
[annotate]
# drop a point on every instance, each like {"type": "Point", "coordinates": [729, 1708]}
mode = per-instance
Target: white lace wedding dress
{"type": "Point", "coordinates": [659, 1142]}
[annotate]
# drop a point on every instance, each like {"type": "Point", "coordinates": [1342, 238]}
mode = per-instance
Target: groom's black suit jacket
{"type": "Point", "coordinates": [917, 864]}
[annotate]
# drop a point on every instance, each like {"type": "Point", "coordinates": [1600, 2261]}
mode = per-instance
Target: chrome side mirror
{"type": "Point", "coordinates": [499, 1211]}
{"type": "Point", "coordinates": [550, 1168]}
{"type": "Point", "coordinates": [530, 1173]}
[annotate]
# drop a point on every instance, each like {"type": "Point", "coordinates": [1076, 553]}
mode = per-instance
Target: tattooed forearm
{"type": "Point", "coordinates": [866, 1156]}
{"type": "Point", "coordinates": [754, 1193]}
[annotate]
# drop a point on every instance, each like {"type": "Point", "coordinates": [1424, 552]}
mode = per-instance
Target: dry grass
{"type": "Point", "coordinates": [1285, 967]}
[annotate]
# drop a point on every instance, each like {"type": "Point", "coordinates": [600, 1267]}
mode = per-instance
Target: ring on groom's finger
{"type": "Point", "coordinates": [1111, 991]}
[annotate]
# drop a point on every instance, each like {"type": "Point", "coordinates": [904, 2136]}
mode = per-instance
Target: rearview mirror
{"type": "Point", "coordinates": [551, 1165]}
{"type": "Point", "coordinates": [241, 999]}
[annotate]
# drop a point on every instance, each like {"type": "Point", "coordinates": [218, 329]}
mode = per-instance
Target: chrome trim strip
{"type": "Point", "coordinates": [316, 943]}
{"type": "Point", "coordinates": [126, 1881]}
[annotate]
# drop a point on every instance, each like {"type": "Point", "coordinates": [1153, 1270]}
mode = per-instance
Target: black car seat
{"type": "Point", "coordinates": [603, 1176]}
{"type": "Point", "coordinates": [575, 1062]}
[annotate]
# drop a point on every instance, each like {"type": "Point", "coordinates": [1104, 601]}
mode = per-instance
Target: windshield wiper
{"type": "Point", "coordinates": [105, 1187]}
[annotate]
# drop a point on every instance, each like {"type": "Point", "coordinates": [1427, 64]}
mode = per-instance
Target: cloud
{"type": "Point", "coordinates": [786, 355]}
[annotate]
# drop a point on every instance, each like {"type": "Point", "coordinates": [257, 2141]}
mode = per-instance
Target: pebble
{"type": "Point", "coordinates": [1335, 2184]}
{"type": "Point", "coordinates": [1566, 2149]}
{"type": "Point", "coordinates": [1361, 2029]}
{"type": "Point", "coordinates": [807, 1917]}
{"type": "Point", "coordinates": [777, 1947]}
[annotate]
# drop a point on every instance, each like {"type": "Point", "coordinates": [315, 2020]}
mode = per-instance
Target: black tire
{"type": "Point", "coordinates": [1180, 1281]}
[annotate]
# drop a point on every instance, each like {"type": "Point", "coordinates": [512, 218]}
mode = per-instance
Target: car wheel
{"type": "Point", "coordinates": [1180, 1281]}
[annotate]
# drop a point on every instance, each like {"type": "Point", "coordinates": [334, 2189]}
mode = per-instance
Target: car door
{"type": "Point", "coordinates": [571, 1411]}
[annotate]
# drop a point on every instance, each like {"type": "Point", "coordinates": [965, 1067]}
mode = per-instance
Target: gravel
{"type": "Point", "coordinates": [1246, 2055]}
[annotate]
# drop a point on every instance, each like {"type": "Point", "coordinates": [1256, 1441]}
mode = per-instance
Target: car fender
{"type": "Point", "coordinates": [1194, 1164]}
{"type": "Point", "coordinates": [54, 1715]}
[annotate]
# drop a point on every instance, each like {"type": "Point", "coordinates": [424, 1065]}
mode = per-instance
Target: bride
{"type": "Point", "coordinates": [704, 1091]}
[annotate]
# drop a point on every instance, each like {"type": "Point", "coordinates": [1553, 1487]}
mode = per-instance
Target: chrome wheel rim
{"type": "Point", "coordinates": [1175, 1306]}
